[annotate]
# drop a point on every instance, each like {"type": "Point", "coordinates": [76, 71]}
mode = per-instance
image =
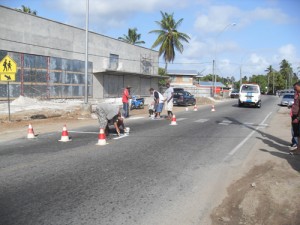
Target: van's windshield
{"type": "Point", "coordinates": [249, 88]}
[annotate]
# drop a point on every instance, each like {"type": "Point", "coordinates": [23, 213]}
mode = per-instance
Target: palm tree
{"type": "Point", "coordinates": [132, 37]}
{"type": "Point", "coordinates": [269, 71]}
{"type": "Point", "coordinates": [169, 38]}
{"type": "Point", "coordinates": [26, 9]}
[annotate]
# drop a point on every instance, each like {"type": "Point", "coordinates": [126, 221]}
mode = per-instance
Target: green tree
{"type": "Point", "coordinates": [163, 81]}
{"type": "Point", "coordinates": [287, 73]}
{"type": "Point", "coordinates": [26, 9]}
{"type": "Point", "coordinates": [261, 80]}
{"type": "Point", "coordinates": [132, 37]}
{"type": "Point", "coordinates": [270, 78]}
{"type": "Point", "coordinates": [169, 38]}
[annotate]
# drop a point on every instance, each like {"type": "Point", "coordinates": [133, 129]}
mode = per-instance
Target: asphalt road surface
{"type": "Point", "coordinates": [158, 174]}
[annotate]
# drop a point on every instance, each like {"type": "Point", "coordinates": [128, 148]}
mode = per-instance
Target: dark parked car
{"type": "Point", "coordinates": [234, 94]}
{"type": "Point", "coordinates": [183, 98]}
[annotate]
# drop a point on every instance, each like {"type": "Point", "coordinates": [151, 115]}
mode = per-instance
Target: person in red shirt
{"type": "Point", "coordinates": [125, 99]}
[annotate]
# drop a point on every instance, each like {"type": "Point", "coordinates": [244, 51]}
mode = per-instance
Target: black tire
{"type": "Point", "coordinates": [240, 104]}
{"type": "Point", "coordinates": [258, 105]}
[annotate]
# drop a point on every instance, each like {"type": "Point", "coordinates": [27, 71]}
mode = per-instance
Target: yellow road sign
{"type": "Point", "coordinates": [8, 69]}
{"type": "Point", "coordinates": [8, 65]}
{"type": "Point", "coordinates": [7, 77]}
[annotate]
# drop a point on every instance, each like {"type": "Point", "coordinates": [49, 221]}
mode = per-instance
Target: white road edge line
{"type": "Point", "coordinates": [233, 151]}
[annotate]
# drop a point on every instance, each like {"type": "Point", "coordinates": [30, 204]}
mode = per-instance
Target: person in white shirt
{"type": "Point", "coordinates": [169, 93]}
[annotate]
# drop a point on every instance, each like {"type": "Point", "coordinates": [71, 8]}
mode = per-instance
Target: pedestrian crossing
{"type": "Point", "coordinates": [225, 122]}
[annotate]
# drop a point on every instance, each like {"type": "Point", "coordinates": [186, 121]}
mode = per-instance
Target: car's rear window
{"type": "Point", "coordinates": [249, 88]}
{"type": "Point", "coordinates": [288, 96]}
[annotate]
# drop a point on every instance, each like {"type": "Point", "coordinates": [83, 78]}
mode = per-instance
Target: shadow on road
{"type": "Point", "coordinates": [275, 143]}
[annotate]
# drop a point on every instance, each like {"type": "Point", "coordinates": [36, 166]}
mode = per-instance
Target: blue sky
{"type": "Point", "coordinates": [265, 31]}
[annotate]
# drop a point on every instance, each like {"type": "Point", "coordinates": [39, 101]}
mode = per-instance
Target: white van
{"type": "Point", "coordinates": [250, 95]}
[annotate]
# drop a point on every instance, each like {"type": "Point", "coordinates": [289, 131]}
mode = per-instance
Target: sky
{"type": "Point", "coordinates": [243, 37]}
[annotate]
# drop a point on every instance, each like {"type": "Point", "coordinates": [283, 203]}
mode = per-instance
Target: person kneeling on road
{"type": "Point", "coordinates": [109, 114]}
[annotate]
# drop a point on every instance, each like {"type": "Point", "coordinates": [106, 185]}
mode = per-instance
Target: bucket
{"type": "Point", "coordinates": [127, 129]}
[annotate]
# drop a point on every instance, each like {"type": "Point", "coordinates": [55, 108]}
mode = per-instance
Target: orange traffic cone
{"type": "Point", "coordinates": [65, 135]}
{"type": "Point", "coordinates": [101, 137]}
{"type": "Point", "coordinates": [213, 108]}
{"type": "Point", "coordinates": [173, 122]}
{"type": "Point", "coordinates": [195, 108]}
{"type": "Point", "coordinates": [30, 133]}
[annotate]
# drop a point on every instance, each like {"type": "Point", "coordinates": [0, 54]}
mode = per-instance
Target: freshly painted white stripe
{"type": "Point", "coordinates": [180, 119]}
{"type": "Point", "coordinates": [135, 118]}
{"type": "Point", "coordinates": [226, 124]}
{"type": "Point", "coordinates": [263, 125]}
{"type": "Point", "coordinates": [233, 151]}
{"type": "Point", "coordinates": [226, 121]}
{"type": "Point", "coordinates": [82, 132]}
{"type": "Point", "coordinates": [201, 120]}
{"type": "Point", "coordinates": [122, 136]}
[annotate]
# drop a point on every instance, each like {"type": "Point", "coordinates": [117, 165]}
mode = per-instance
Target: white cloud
{"type": "Point", "coordinates": [219, 16]}
{"type": "Point", "coordinates": [287, 52]}
{"type": "Point", "coordinates": [113, 13]}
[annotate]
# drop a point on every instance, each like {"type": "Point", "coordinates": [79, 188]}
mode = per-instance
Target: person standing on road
{"type": "Point", "coordinates": [296, 117]}
{"type": "Point", "coordinates": [108, 113]}
{"type": "Point", "coordinates": [169, 93]}
{"type": "Point", "coordinates": [125, 100]}
{"type": "Point", "coordinates": [295, 126]}
{"type": "Point", "coordinates": [159, 102]}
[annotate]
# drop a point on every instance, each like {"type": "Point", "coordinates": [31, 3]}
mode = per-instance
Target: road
{"type": "Point", "coordinates": [158, 174]}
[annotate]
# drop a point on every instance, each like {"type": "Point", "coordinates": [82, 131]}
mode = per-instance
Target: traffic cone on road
{"type": "Point", "coordinates": [213, 108]}
{"type": "Point", "coordinates": [30, 132]}
{"type": "Point", "coordinates": [65, 135]}
{"type": "Point", "coordinates": [173, 122]}
{"type": "Point", "coordinates": [195, 108]}
{"type": "Point", "coordinates": [101, 137]}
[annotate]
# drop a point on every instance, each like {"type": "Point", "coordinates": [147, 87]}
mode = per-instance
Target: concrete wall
{"type": "Point", "coordinates": [25, 33]}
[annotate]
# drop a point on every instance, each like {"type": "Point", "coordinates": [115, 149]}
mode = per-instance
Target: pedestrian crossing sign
{"type": "Point", "coordinates": [8, 69]}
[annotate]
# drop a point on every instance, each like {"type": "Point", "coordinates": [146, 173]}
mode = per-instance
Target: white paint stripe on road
{"type": "Point", "coordinates": [82, 132]}
{"type": "Point", "coordinates": [233, 151]}
{"type": "Point", "coordinates": [135, 118]}
{"type": "Point", "coordinates": [248, 123]}
{"type": "Point", "coordinates": [201, 120]}
{"type": "Point", "coordinates": [226, 124]}
{"type": "Point", "coordinates": [180, 119]}
{"type": "Point", "coordinates": [122, 136]}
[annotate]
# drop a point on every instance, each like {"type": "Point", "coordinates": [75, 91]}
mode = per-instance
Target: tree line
{"type": "Point", "coordinates": [270, 82]}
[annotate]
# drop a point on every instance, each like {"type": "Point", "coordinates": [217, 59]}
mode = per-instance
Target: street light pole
{"type": "Point", "coordinates": [86, 52]}
{"type": "Point", "coordinates": [214, 61]}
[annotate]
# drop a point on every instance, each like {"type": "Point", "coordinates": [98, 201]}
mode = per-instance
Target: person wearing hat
{"type": "Point", "coordinates": [125, 100]}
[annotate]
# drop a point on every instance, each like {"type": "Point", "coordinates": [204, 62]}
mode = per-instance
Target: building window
{"type": "Point", "coordinates": [113, 61]}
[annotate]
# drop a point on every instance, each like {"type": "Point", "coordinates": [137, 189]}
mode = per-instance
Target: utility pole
{"type": "Point", "coordinates": [241, 76]}
{"type": "Point", "coordinates": [214, 79]}
{"type": "Point", "coordinates": [86, 53]}
{"type": "Point", "coordinates": [273, 83]}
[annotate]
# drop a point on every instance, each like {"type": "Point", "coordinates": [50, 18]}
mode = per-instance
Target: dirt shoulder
{"type": "Point", "coordinates": [268, 189]}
